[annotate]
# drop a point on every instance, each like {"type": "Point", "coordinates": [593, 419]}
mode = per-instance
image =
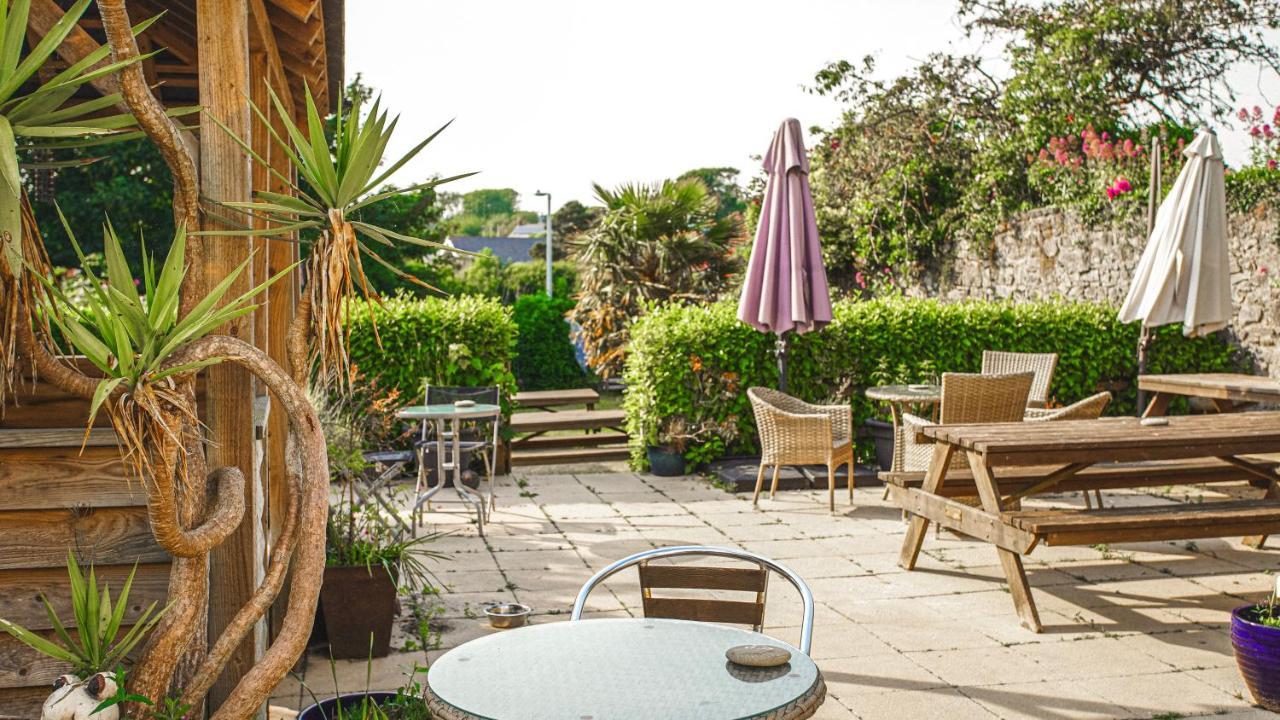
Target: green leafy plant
{"type": "Point", "coordinates": [334, 184]}
{"type": "Point", "coordinates": [697, 362]}
{"type": "Point", "coordinates": [545, 357]}
{"type": "Point", "coordinates": [654, 243]}
{"type": "Point", "coordinates": [97, 645]}
{"type": "Point", "coordinates": [465, 341]}
{"type": "Point", "coordinates": [1268, 613]}
{"type": "Point", "coordinates": [129, 335]}
{"type": "Point", "coordinates": [360, 534]}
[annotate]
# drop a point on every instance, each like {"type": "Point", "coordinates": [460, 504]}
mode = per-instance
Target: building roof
{"type": "Point", "coordinates": [529, 230]}
{"type": "Point", "coordinates": [506, 249]}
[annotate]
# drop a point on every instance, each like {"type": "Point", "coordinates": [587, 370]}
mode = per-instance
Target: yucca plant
{"type": "Point", "coordinates": [129, 336]}
{"type": "Point", "coordinates": [97, 645]}
{"type": "Point", "coordinates": [334, 185]}
{"type": "Point", "coordinates": [36, 119]}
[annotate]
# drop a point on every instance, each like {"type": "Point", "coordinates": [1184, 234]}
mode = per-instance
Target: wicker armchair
{"type": "Point", "coordinates": [1042, 364]}
{"type": "Point", "coordinates": [1089, 408]}
{"type": "Point", "coordinates": [794, 432]}
{"type": "Point", "coordinates": [966, 398]}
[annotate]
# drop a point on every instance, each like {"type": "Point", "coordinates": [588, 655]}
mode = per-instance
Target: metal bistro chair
{"type": "Point", "coordinates": [486, 443]}
{"type": "Point", "coordinates": [1042, 365]}
{"type": "Point", "coordinates": [700, 577]}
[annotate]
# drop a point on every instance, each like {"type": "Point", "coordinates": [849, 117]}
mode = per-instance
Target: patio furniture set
{"type": "Point", "coordinates": [990, 441]}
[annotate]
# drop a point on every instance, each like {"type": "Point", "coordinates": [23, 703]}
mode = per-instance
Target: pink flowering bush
{"type": "Point", "coordinates": [1264, 131]}
{"type": "Point", "coordinates": [1103, 176]}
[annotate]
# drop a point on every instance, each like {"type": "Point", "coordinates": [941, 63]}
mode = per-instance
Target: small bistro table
{"type": "Point", "coordinates": [899, 397]}
{"type": "Point", "coordinates": [448, 442]}
{"type": "Point", "coordinates": [1228, 391]}
{"type": "Point", "coordinates": [618, 669]}
{"type": "Point", "coordinates": [1012, 461]}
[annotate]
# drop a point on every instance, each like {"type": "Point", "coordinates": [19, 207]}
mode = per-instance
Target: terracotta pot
{"type": "Point", "coordinates": [1257, 649]}
{"type": "Point", "coordinates": [665, 462]}
{"type": "Point", "coordinates": [357, 602]}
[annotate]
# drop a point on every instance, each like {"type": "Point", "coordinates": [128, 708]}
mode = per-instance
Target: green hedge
{"type": "Point", "coordinates": [463, 340]}
{"type": "Point", "coordinates": [544, 353]}
{"type": "Point", "coordinates": [698, 361]}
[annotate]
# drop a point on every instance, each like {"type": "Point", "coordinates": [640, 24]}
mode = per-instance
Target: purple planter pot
{"type": "Point", "coordinates": [1257, 649]}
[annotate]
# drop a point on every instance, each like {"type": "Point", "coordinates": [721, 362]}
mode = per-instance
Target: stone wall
{"type": "Point", "coordinates": [1050, 253]}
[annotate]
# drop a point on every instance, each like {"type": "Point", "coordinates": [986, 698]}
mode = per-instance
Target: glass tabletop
{"type": "Point", "coordinates": [616, 668]}
{"type": "Point", "coordinates": [922, 392]}
{"type": "Point", "coordinates": [438, 412]}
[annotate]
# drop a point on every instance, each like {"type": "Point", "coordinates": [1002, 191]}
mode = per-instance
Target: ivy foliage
{"type": "Point", "coordinates": [697, 362]}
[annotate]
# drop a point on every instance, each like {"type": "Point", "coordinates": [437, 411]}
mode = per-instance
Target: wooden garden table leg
{"type": "Point", "coordinates": [933, 481]}
{"type": "Point", "coordinates": [1272, 493]}
{"type": "Point", "coordinates": [1014, 573]}
{"type": "Point", "coordinates": [1158, 405]}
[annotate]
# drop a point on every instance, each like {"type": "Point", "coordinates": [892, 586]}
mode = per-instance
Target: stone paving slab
{"type": "Point", "coordinates": [1131, 631]}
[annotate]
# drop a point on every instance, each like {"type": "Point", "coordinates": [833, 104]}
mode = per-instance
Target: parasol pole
{"type": "Point", "coordinates": [1153, 204]}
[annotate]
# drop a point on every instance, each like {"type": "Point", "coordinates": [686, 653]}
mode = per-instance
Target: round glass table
{"type": "Point", "coordinates": [900, 397]}
{"type": "Point", "coordinates": [615, 669]}
{"type": "Point", "coordinates": [448, 451]}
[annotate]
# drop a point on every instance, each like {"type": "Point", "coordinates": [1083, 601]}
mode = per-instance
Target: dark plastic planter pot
{"type": "Point", "coordinates": [328, 709]}
{"type": "Point", "coordinates": [357, 602]}
{"type": "Point", "coordinates": [881, 433]}
{"type": "Point", "coordinates": [1257, 649]}
{"type": "Point", "coordinates": [665, 462]}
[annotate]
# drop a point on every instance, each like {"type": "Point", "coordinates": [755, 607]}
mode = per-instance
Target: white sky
{"type": "Point", "coordinates": [557, 94]}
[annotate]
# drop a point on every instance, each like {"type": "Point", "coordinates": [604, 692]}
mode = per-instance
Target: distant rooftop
{"type": "Point", "coordinates": [529, 230]}
{"type": "Point", "coordinates": [506, 249]}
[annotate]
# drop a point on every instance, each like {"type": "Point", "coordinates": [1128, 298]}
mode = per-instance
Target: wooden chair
{"type": "Point", "coordinates": [966, 398]}
{"type": "Point", "coordinates": [753, 580]}
{"type": "Point", "coordinates": [995, 362]}
{"type": "Point", "coordinates": [794, 432]}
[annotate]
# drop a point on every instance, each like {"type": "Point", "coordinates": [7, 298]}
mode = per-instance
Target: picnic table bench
{"type": "Point", "coordinates": [1012, 461]}
{"type": "Point", "coordinates": [1228, 392]}
{"type": "Point", "coordinates": [547, 399]}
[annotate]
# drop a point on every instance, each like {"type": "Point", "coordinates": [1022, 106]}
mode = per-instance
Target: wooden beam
{"type": "Point", "coordinates": [262, 37]}
{"type": "Point", "coordinates": [301, 10]}
{"type": "Point", "coordinates": [43, 15]}
{"type": "Point", "coordinates": [223, 43]}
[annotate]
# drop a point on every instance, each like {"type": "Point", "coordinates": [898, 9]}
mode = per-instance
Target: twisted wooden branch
{"type": "Point", "coordinates": [308, 451]}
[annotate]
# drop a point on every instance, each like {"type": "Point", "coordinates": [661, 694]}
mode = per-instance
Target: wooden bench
{"type": "Point", "coordinates": [1017, 481]}
{"type": "Point", "coordinates": [1184, 521]}
{"type": "Point", "coordinates": [547, 399]}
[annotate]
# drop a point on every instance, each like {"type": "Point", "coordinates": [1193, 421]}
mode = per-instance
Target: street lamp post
{"type": "Point", "coordinates": [540, 194]}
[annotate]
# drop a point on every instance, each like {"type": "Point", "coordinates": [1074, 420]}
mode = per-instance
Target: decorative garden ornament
{"type": "Point", "coordinates": [75, 699]}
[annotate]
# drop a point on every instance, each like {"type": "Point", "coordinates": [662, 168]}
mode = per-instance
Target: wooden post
{"type": "Point", "coordinates": [223, 50]}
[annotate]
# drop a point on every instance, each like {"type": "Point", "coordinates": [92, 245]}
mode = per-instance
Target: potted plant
{"type": "Point", "coordinates": [666, 459]}
{"type": "Point", "coordinates": [404, 703]}
{"type": "Point", "coordinates": [1255, 638]}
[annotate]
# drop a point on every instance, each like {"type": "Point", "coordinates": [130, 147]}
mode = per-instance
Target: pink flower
{"type": "Point", "coordinates": [835, 144]}
{"type": "Point", "coordinates": [1263, 270]}
{"type": "Point", "coordinates": [1271, 164]}
{"type": "Point", "coordinates": [1257, 112]}
{"type": "Point", "coordinates": [1243, 114]}
{"type": "Point", "coordinates": [1122, 185]}
{"type": "Point", "coordinates": [1111, 193]}
{"type": "Point", "coordinates": [859, 279]}
{"type": "Point", "coordinates": [1255, 131]}
{"type": "Point", "coordinates": [1266, 130]}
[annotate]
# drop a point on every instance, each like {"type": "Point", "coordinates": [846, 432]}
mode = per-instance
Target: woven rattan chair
{"type": "Point", "coordinates": [966, 398]}
{"type": "Point", "coordinates": [753, 580]}
{"type": "Point", "coordinates": [1042, 364]}
{"type": "Point", "coordinates": [794, 432]}
{"type": "Point", "coordinates": [1089, 408]}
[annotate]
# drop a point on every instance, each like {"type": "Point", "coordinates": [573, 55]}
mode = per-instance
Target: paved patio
{"type": "Point", "coordinates": [1131, 631]}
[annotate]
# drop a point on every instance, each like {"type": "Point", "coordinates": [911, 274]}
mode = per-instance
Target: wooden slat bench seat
{"type": "Point", "coordinates": [1184, 521]}
{"type": "Point", "coordinates": [1105, 476]}
{"type": "Point", "coordinates": [540, 422]}
{"type": "Point", "coordinates": [544, 399]}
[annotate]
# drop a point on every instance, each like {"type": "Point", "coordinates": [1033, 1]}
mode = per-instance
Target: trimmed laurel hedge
{"type": "Point", "coordinates": [544, 353]}
{"type": "Point", "coordinates": [698, 361]}
{"type": "Point", "coordinates": [464, 340]}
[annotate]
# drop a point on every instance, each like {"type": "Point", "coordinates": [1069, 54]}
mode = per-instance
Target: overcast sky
{"type": "Point", "coordinates": [558, 94]}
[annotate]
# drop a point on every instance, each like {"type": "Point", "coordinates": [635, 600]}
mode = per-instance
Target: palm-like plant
{"type": "Point", "coordinates": [98, 645]}
{"type": "Point", "coordinates": [129, 337]}
{"type": "Point", "coordinates": [335, 184]}
{"type": "Point", "coordinates": [654, 243]}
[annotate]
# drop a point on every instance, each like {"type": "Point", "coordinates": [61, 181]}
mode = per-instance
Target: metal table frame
{"type": "Point", "coordinates": [449, 445]}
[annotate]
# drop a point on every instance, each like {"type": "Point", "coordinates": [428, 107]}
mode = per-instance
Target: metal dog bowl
{"type": "Point", "coordinates": [507, 615]}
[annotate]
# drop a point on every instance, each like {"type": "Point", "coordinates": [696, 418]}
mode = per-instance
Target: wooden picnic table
{"type": "Point", "coordinates": [1228, 391]}
{"type": "Point", "coordinates": [1074, 451]}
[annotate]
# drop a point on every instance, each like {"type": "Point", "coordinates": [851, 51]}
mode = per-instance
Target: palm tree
{"type": "Point", "coordinates": [654, 243]}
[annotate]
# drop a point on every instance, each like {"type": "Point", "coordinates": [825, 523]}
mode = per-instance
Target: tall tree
{"type": "Point", "coordinates": [722, 182]}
